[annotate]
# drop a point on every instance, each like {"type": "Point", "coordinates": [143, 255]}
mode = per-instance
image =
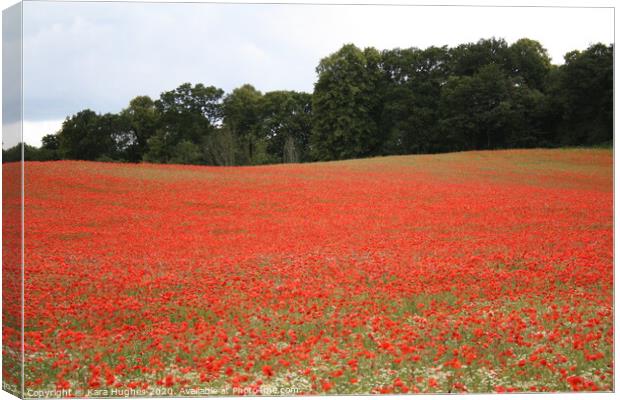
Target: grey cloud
{"type": "Point", "coordinates": [11, 65]}
{"type": "Point", "coordinates": [100, 55]}
{"type": "Point", "coordinates": [80, 55]}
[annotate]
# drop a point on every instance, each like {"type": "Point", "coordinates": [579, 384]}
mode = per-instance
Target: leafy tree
{"type": "Point", "coordinates": [124, 141]}
{"type": "Point", "coordinates": [50, 142]}
{"type": "Point", "coordinates": [188, 113]}
{"type": "Point", "coordinates": [585, 92]}
{"type": "Point", "coordinates": [186, 152]}
{"type": "Point", "coordinates": [347, 105]}
{"type": "Point", "coordinates": [12, 154]}
{"type": "Point", "coordinates": [159, 151]}
{"type": "Point", "coordinates": [143, 119]}
{"type": "Point", "coordinates": [411, 99]}
{"type": "Point", "coordinates": [242, 117]}
{"type": "Point", "coordinates": [219, 147]}
{"type": "Point", "coordinates": [82, 137]}
{"type": "Point", "coordinates": [475, 109]}
{"type": "Point", "coordinates": [49, 148]}
{"type": "Point", "coordinates": [188, 100]}
{"type": "Point", "coordinates": [467, 59]}
{"type": "Point", "coordinates": [482, 95]}
{"type": "Point", "coordinates": [528, 60]}
{"type": "Point", "coordinates": [286, 124]}
{"type": "Point", "coordinates": [31, 153]}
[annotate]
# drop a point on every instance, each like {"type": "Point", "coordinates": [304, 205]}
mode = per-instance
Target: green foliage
{"type": "Point", "coordinates": [186, 152]}
{"type": "Point", "coordinates": [286, 125]}
{"type": "Point", "coordinates": [219, 148]}
{"type": "Point", "coordinates": [31, 153]}
{"type": "Point", "coordinates": [529, 62]}
{"type": "Point", "coordinates": [166, 128]}
{"type": "Point", "coordinates": [50, 142]}
{"type": "Point", "coordinates": [83, 137]}
{"type": "Point", "coordinates": [157, 149]}
{"type": "Point", "coordinates": [143, 120]}
{"type": "Point", "coordinates": [483, 95]}
{"type": "Point", "coordinates": [467, 59]}
{"type": "Point", "coordinates": [347, 104]}
{"type": "Point", "coordinates": [12, 154]}
{"type": "Point", "coordinates": [118, 128]}
{"type": "Point", "coordinates": [188, 113]}
{"type": "Point", "coordinates": [584, 89]}
{"type": "Point", "coordinates": [242, 116]}
{"type": "Point", "coordinates": [411, 99]}
{"type": "Point", "coordinates": [475, 109]}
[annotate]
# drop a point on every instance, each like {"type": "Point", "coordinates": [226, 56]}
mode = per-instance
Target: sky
{"type": "Point", "coordinates": [101, 55]}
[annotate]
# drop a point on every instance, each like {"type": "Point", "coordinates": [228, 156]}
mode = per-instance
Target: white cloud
{"type": "Point", "coordinates": [11, 134]}
{"type": "Point", "coordinates": [31, 131]}
{"type": "Point", "coordinates": [35, 130]}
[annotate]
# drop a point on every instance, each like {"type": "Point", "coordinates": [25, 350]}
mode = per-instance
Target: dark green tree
{"type": "Point", "coordinates": [483, 95]}
{"type": "Point", "coordinates": [584, 90]}
{"type": "Point", "coordinates": [187, 113]}
{"type": "Point", "coordinates": [286, 124]}
{"type": "Point", "coordinates": [49, 148]}
{"type": "Point", "coordinates": [475, 109]}
{"type": "Point", "coordinates": [347, 105]}
{"type": "Point", "coordinates": [123, 137]}
{"type": "Point", "coordinates": [50, 142]}
{"type": "Point", "coordinates": [143, 118]}
{"type": "Point", "coordinates": [220, 147]}
{"type": "Point", "coordinates": [242, 117]}
{"type": "Point", "coordinates": [467, 59]}
{"type": "Point", "coordinates": [411, 99]}
{"type": "Point", "coordinates": [31, 153]}
{"type": "Point", "coordinates": [529, 63]}
{"type": "Point", "coordinates": [82, 137]}
{"type": "Point", "coordinates": [186, 152]}
{"type": "Point", "coordinates": [12, 154]}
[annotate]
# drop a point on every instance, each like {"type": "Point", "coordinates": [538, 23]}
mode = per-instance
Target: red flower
{"type": "Point", "coordinates": [267, 370]}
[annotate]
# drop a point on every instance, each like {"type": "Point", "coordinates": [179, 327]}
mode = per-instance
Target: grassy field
{"type": "Point", "coordinates": [464, 272]}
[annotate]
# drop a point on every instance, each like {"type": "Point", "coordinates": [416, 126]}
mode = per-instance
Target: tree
{"type": "Point", "coordinates": [585, 93]}
{"type": "Point", "coordinates": [528, 60]}
{"type": "Point", "coordinates": [482, 95]}
{"type": "Point", "coordinates": [411, 99]}
{"type": "Point", "coordinates": [467, 59]}
{"type": "Point", "coordinates": [475, 109]}
{"type": "Point", "coordinates": [123, 138]}
{"type": "Point", "coordinates": [188, 100]}
{"type": "Point", "coordinates": [286, 125]}
{"type": "Point", "coordinates": [143, 119]}
{"type": "Point", "coordinates": [50, 142]}
{"type": "Point", "coordinates": [242, 117]}
{"type": "Point", "coordinates": [186, 152]}
{"type": "Point", "coordinates": [49, 148]}
{"type": "Point", "coordinates": [219, 147]}
{"type": "Point", "coordinates": [491, 110]}
{"type": "Point", "coordinates": [158, 150]}
{"type": "Point", "coordinates": [188, 113]}
{"type": "Point", "coordinates": [81, 137]}
{"type": "Point", "coordinates": [13, 154]}
{"type": "Point", "coordinates": [347, 104]}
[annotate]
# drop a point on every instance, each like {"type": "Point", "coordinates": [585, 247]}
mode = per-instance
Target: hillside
{"type": "Point", "coordinates": [470, 271]}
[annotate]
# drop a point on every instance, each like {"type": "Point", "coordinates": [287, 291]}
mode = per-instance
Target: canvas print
{"type": "Point", "coordinates": [295, 199]}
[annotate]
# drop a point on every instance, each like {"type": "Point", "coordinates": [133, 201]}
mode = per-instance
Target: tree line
{"type": "Point", "coordinates": [366, 102]}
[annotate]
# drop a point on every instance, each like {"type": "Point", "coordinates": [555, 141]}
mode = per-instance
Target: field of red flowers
{"type": "Point", "coordinates": [464, 272]}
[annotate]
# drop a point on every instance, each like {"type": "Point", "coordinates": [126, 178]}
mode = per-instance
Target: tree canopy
{"type": "Point", "coordinates": [366, 102]}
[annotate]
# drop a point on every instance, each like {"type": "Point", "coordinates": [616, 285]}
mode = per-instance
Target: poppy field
{"type": "Point", "coordinates": [462, 272]}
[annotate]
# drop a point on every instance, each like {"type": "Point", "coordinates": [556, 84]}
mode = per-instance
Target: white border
{"type": "Point", "coordinates": [531, 3]}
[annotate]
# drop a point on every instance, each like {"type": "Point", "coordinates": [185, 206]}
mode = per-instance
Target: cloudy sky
{"type": "Point", "coordinates": [100, 55]}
